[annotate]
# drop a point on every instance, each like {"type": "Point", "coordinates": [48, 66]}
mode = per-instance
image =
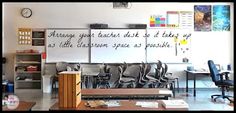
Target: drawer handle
{"type": "Point", "coordinates": [78, 83]}
{"type": "Point", "coordinates": [78, 94]}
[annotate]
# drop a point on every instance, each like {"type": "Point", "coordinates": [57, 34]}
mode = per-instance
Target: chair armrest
{"type": "Point", "coordinates": [226, 74]}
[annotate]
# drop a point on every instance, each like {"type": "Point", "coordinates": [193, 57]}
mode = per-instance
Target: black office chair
{"type": "Point", "coordinates": [218, 79]}
{"type": "Point", "coordinates": [140, 83]}
{"type": "Point", "coordinates": [129, 80]}
{"type": "Point", "coordinates": [104, 77]}
{"type": "Point", "coordinates": [146, 71]}
{"type": "Point", "coordinates": [160, 74]}
{"type": "Point", "coordinates": [170, 80]}
{"type": "Point", "coordinates": [151, 78]}
{"type": "Point", "coordinates": [60, 66]}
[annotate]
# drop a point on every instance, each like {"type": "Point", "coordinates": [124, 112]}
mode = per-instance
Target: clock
{"type": "Point", "coordinates": [26, 12]}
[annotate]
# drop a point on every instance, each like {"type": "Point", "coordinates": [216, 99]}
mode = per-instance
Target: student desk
{"type": "Point", "coordinates": [126, 105]}
{"type": "Point", "coordinates": [23, 106]}
{"type": "Point", "coordinates": [195, 73]}
{"type": "Point", "coordinates": [126, 93]}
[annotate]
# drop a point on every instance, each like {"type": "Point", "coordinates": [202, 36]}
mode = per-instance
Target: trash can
{"type": "Point", "coordinates": [10, 88]}
{"type": "Point", "coordinates": [47, 84]}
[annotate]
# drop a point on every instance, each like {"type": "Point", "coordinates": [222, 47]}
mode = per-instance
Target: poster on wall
{"type": "Point", "coordinates": [157, 21]}
{"type": "Point", "coordinates": [172, 18]}
{"type": "Point", "coordinates": [202, 17]}
{"type": "Point", "coordinates": [221, 18]}
{"type": "Point", "coordinates": [186, 19]}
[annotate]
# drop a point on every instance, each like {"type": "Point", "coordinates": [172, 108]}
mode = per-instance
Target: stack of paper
{"type": "Point", "coordinates": [102, 103]}
{"type": "Point", "coordinates": [174, 104]}
{"type": "Point", "coordinates": [147, 104]}
{"type": "Point", "coordinates": [112, 103]}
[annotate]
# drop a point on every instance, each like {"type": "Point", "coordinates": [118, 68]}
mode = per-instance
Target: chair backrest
{"type": "Point", "coordinates": [141, 72]}
{"type": "Point", "coordinates": [124, 66]}
{"type": "Point", "coordinates": [157, 74]}
{"type": "Point", "coordinates": [120, 70]}
{"type": "Point", "coordinates": [213, 71]}
{"type": "Point", "coordinates": [147, 70]}
{"type": "Point", "coordinates": [142, 68]}
{"type": "Point", "coordinates": [159, 64]}
{"type": "Point", "coordinates": [76, 67]}
{"type": "Point", "coordinates": [104, 68]}
{"type": "Point", "coordinates": [104, 72]}
{"type": "Point", "coordinates": [61, 66]}
{"type": "Point", "coordinates": [162, 71]}
{"type": "Point", "coordinates": [165, 67]}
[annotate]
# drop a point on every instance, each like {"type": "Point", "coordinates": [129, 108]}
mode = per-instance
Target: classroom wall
{"type": "Point", "coordinates": [205, 45]}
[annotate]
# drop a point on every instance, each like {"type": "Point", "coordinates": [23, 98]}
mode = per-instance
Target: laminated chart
{"type": "Point", "coordinates": [172, 18]}
{"type": "Point", "coordinates": [157, 21]}
{"type": "Point", "coordinates": [186, 19]}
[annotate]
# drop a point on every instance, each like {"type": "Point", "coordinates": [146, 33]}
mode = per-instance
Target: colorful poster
{"type": "Point", "coordinates": [172, 19]}
{"type": "Point", "coordinates": [221, 17]}
{"type": "Point", "coordinates": [202, 17]}
{"type": "Point", "coordinates": [157, 21]}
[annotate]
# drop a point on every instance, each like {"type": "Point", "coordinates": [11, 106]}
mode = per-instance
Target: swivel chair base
{"type": "Point", "coordinates": [222, 96]}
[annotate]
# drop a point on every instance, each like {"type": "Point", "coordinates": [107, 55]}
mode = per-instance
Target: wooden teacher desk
{"type": "Point", "coordinates": [126, 105]}
{"type": "Point", "coordinates": [126, 93]}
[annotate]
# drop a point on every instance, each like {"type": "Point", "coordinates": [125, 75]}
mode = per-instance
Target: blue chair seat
{"type": "Point", "coordinates": [225, 82]}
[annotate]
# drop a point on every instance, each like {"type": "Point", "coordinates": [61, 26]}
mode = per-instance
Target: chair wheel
{"type": "Point", "coordinates": [215, 99]}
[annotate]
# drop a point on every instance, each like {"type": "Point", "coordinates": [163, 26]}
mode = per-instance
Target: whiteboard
{"type": "Point", "coordinates": [118, 45]}
{"type": "Point", "coordinates": [168, 45]}
{"type": "Point", "coordinates": [69, 45]}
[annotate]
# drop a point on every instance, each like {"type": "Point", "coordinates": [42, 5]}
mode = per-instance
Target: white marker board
{"type": "Point", "coordinates": [118, 45]}
{"type": "Point", "coordinates": [65, 45]}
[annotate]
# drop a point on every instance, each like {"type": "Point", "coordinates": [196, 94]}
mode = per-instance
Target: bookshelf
{"type": "Point", "coordinates": [28, 71]}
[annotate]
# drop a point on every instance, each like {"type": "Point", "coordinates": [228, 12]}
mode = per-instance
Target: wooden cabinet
{"type": "Point", "coordinates": [28, 73]}
{"type": "Point", "coordinates": [69, 89]}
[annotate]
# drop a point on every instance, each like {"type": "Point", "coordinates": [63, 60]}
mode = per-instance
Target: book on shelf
{"type": "Point", "coordinates": [175, 104]}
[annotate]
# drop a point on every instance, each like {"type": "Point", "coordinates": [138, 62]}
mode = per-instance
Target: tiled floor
{"type": "Point", "coordinates": [201, 102]}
